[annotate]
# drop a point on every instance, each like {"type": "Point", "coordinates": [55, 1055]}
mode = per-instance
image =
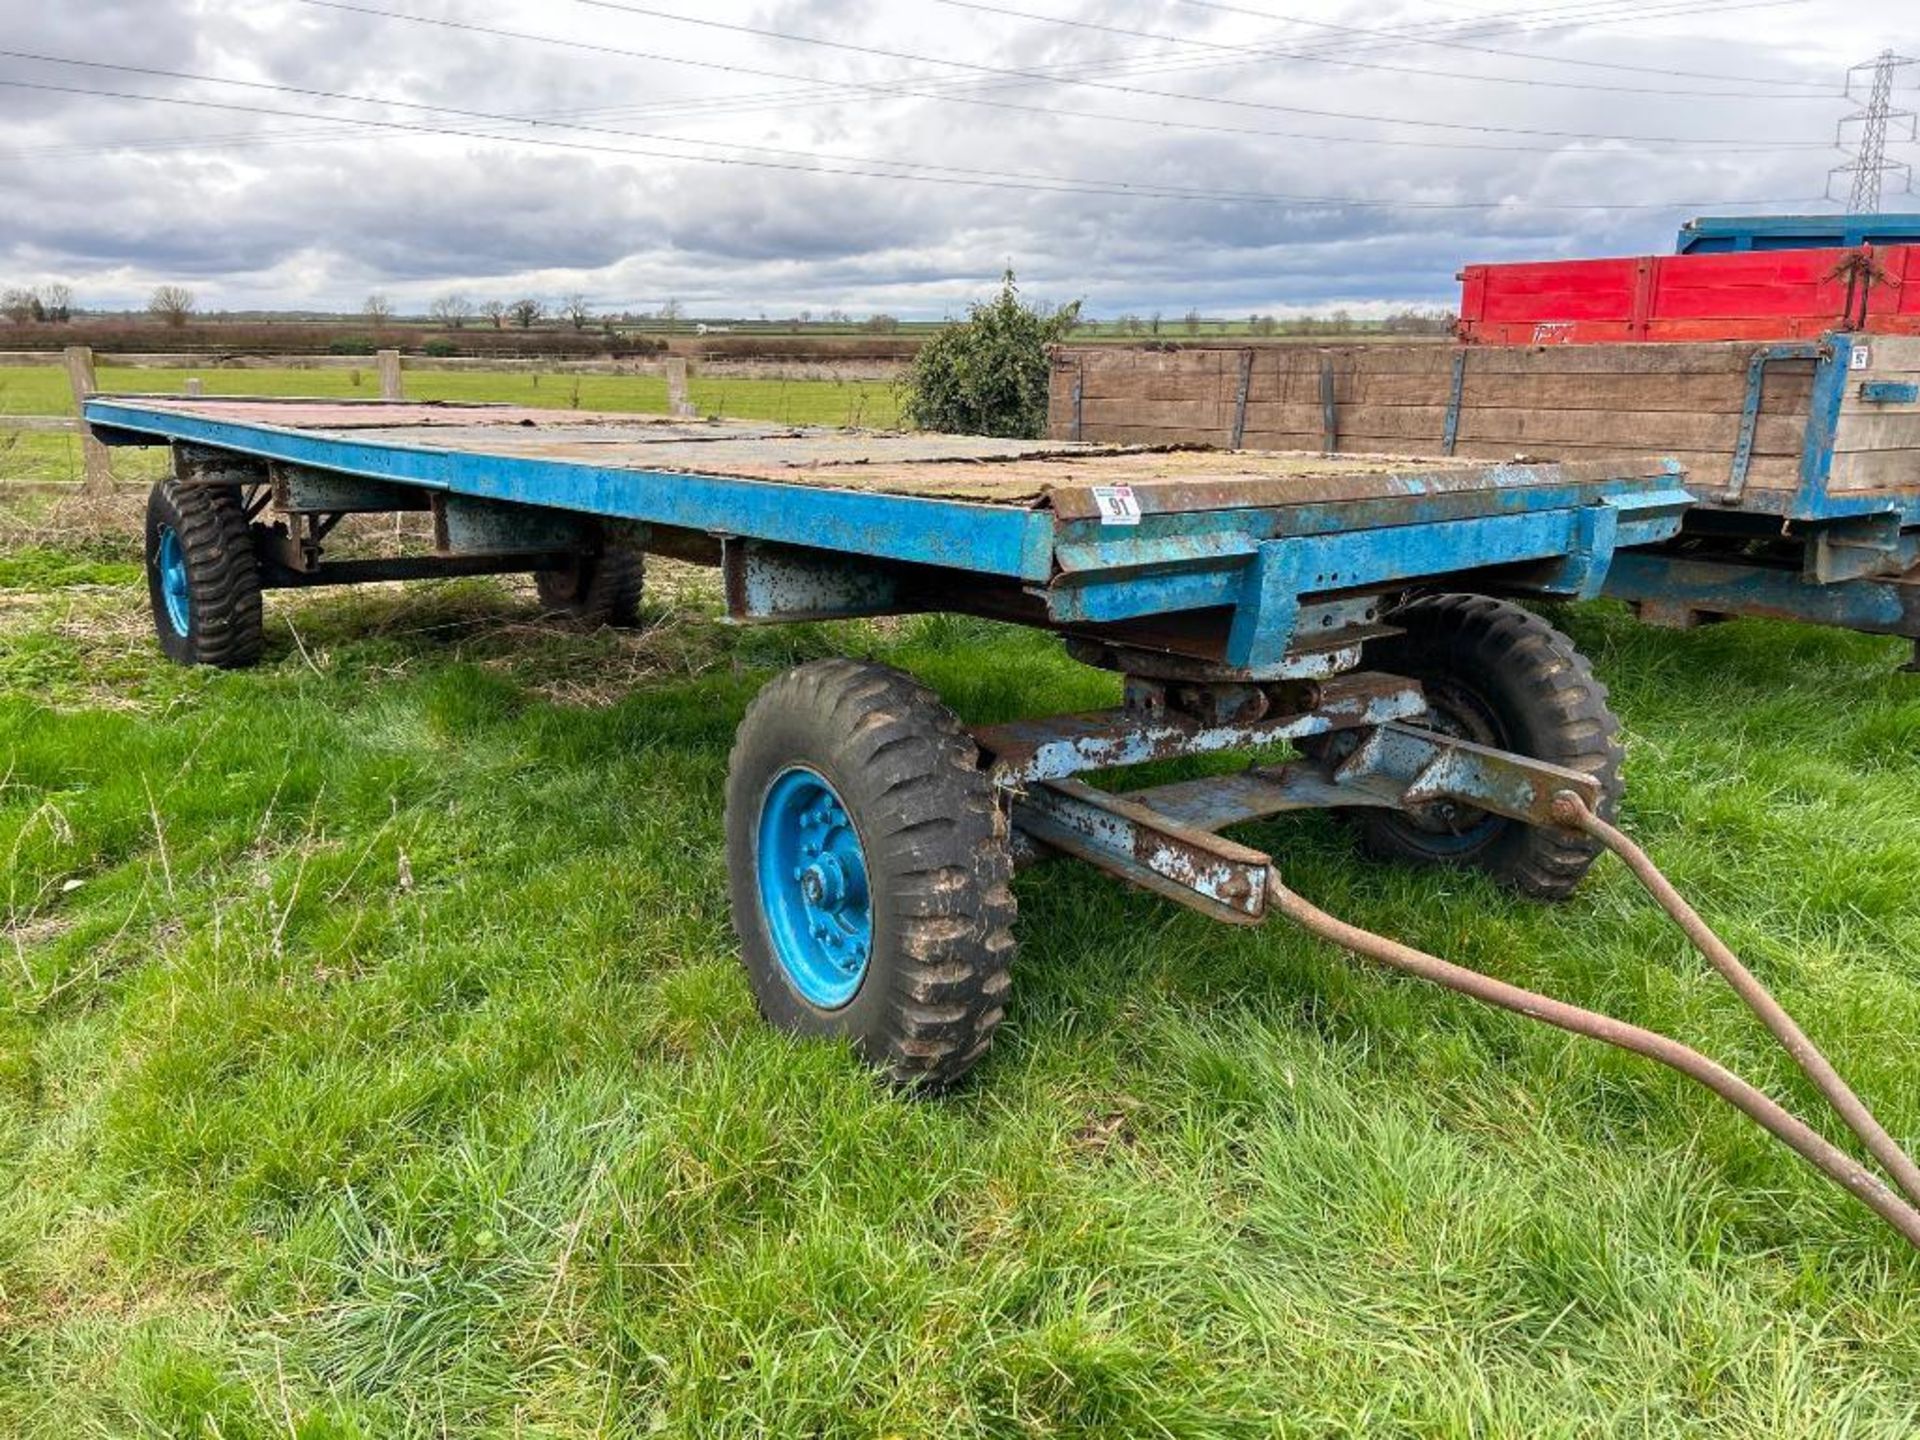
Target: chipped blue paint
{"type": "Point", "coordinates": [1685, 588]}
{"type": "Point", "coordinates": [1889, 392]}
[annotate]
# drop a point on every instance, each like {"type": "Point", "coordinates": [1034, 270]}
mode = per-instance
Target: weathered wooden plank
{"type": "Point", "coordinates": [1633, 431]}
{"type": "Point", "coordinates": [1869, 426]}
{"type": "Point", "coordinates": [1784, 393]}
{"type": "Point", "coordinates": [392, 387]}
{"type": "Point", "coordinates": [1706, 470]}
{"type": "Point", "coordinates": [1890, 429]}
{"type": "Point", "coordinates": [97, 461]}
{"type": "Point", "coordinates": [1875, 470]}
{"type": "Point", "coordinates": [1683, 401]}
{"type": "Point", "coordinates": [1192, 386]}
{"type": "Point", "coordinates": [1294, 440]}
{"type": "Point", "coordinates": [1630, 432]}
{"type": "Point", "coordinates": [1894, 353]}
{"type": "Point", "coordinates": [1209, 415]}
{"type": "Point", "coordinates": [1167, 435]}
{"type": "Point", "coordinates": [1361, 377]}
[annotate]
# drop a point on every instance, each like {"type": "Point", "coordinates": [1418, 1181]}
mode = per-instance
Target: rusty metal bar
{"type": "Point", "coordinates": [1806, 1142]}
{"type": "Point", "coordinates": [1193, 867]}
{"type": "Point", "coordinates": [1573, 812]}
{"type": "Point", "coordinates": [1456, 391]}
{"type": "Point", "coordinates": [1329, 407]}
{"type": "Point", "coordinates": [1024, 751]}
{"type": "Point", "coordinates": [1238, 434]}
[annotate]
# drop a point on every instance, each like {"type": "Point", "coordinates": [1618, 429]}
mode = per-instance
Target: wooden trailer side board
{"type": "Point", "coordinates": [1567, 402]}
{"type": "Point", "coordinates": [1876, 444]}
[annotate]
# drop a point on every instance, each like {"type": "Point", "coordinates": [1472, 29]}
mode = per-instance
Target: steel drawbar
{"type": "Point", "coordinates": [1846, 1172]}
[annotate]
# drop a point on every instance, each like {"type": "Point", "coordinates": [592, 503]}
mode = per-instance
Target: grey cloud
{"type": "Point", "coordinates": [414, 214]}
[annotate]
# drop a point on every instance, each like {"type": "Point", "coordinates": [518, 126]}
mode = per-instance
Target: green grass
{"type": "Point", "coordinates": [42, 390]}
{"type": "Point", "coordinates": [374, 1062]}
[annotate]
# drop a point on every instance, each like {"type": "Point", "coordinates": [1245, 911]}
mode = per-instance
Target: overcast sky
{"type": "Point", "coordinates": [1153, 154]}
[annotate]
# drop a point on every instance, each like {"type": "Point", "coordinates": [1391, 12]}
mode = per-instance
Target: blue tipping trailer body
{"type": "Point", "coordinates": [1255, 561]}
{"type": "Point", "coordinates": [1716, 235]}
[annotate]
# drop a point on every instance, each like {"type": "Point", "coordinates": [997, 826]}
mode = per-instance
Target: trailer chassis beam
{"type": "Point", "coordinates": [1163, 722]}
{"type": "Point", "coordinates": [1163, 838]}
{"type": "Point", "coordinates": [275, 574]}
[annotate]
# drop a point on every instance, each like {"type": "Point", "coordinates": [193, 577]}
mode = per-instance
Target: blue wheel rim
{"type": "Point", "coordinates": [173, 581]}
{"type": "Point", "coordinates": [813, 888]}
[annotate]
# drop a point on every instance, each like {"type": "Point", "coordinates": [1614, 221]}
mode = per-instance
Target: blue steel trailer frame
{"type": "Point", "coordinates": [870, 842]}
{"type": "Point", "coordinates": [1849, 559]}
{"type": "Point", "coordinates": [1525, 529]}
{"type": "Point", "coordinates": [1235, 598]}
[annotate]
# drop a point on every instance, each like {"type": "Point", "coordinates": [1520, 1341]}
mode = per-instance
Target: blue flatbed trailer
{"type": "Point", "coordinates": [872, 838]}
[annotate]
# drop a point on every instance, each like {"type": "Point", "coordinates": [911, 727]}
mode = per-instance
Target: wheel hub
{"type": "Point", "coordinates": [175, 594]}
{"type": "Point", "coordinates": [813, 888]}
{"type": "Point", "coordinates": [1447, 715]}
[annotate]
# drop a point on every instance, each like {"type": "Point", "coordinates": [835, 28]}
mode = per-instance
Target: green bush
{"type": "Point", "coordinates": [989, 375]}
{"type": "Point", "coordinates": [352, 345]}
{"type": "Point", "coordinates": [440, 349]}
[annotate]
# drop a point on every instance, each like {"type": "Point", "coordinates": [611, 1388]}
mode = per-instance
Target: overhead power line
{"type": "Point", "coordinates": [1055, 185]}
{"type": "Point", "coordinates": [1595, 12]}
{"type": "Point", "coordinates": [492, 118]}
{"type": "Point", "coordinates": [148, 144]}
{"type": "Point", "coordinates": [1272, 52]}
{"type": "Point", "coordinates": [941, 89]}
{"type": "Point", "coordinates": [898, 89]}
{"type": "Point", "coordinates": [1457, 44]}
{"type": "Point", "coordinates": [851, 47]}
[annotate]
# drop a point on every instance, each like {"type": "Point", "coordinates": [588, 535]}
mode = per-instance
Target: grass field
{"type": "Point", "coordinates": [42, 390]}
{"type": "Point", "coordinates": [374, 1062]}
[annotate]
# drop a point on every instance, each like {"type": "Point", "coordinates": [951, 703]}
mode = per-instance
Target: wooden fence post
{"type": "Point", "coordinates": [679, 402]}
{"type": "Point", "coordinates": [194, 388]}
{"type": "Point", "coordinates": [390, 386]}
{"type": "Point", "coordinates": [99, 465]}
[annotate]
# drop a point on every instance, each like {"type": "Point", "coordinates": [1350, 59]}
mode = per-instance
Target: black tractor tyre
{"type": "Point", "coordinates": [600, 588]}
{"type": "Point", "coordinates": [937, 866]}
{"type": "Point", "coordinates": [203, 579]}
{"type": "Point", "coordinates": [1498, 675]}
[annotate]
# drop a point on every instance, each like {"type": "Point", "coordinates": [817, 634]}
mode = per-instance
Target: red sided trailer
{"type": "Point", "coordinates": [1750, 295]}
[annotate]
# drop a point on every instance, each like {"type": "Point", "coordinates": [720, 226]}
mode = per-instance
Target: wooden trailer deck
{"type": "Point", "coordinates": [1026, 473]}
{"type": "Point", "coordinates": [1030, 474]}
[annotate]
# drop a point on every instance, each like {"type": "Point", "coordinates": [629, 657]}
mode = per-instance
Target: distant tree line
{"type": "Point", "coordinates": [1410, 321]}
{"type": "Point", "coordinates": [38, 304]}
{"type": "Point", "coordinates": [175, 306]}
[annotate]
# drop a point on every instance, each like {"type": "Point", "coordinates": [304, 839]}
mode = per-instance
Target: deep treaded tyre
{"type": "Point", "coordinates": [1499, 675]}
{"type": "Point", "coordinates": [202, 577]}
{"type": "Point", "coordinates": [600, 589]}
{"type": "Point", "coordinates": [869, 870]}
